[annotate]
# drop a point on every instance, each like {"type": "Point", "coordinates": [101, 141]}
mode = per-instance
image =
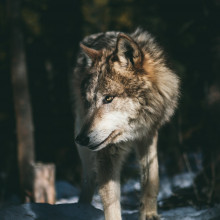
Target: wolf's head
{"type": "Point", "coordinates": [128, 92]}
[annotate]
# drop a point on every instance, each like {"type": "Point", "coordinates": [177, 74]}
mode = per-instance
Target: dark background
{"type": "Point", "coordinates": [52, 29]}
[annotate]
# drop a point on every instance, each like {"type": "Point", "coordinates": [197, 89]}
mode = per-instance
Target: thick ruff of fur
{"type": "Point", "coordinates": [123, 92]}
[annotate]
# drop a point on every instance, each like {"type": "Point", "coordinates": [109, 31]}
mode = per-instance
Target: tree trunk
{"type": "Point", "coordinates": [22, 105]}
{"type": "Point", "coordinates": [44, 183]}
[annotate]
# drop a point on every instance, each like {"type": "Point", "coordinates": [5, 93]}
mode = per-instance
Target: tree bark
{"type": "Point", "coordinates": [22, 105]}
{"type": "Point", "coordinates": [44, 183]}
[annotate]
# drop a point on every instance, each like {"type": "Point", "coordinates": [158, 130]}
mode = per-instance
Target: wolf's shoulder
{"type": "Point", "coordinates": [107, 40]}
{"type": "Point", "coordinates": [101, 40]}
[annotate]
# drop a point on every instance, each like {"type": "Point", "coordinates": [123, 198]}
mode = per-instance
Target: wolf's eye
{"type": "Point", "coordinates": [108, 99]}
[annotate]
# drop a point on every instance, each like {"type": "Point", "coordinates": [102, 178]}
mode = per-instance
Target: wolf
{"type": "Point", "coordinates": [123, 93]}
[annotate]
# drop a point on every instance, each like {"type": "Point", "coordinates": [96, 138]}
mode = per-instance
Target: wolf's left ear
{"type": "Point", "coordinates": [91, 53]}
{"type": "Point", "coordinates": [128, 51]}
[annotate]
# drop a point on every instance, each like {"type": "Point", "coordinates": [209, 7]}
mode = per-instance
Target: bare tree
{"type": "Point", "coordinates": [22, 104]}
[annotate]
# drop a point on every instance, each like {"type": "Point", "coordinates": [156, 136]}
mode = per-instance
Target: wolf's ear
{"type": "Point", "coordinates": [92, 53]}
{"type": "Point", "coordinates": [128, 51]}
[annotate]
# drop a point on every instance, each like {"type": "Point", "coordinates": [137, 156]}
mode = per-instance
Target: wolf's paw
{"type": "Point", "coordinates": [152, 217]}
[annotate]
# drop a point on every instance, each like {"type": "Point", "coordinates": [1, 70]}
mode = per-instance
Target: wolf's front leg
{"type": "Point", "coordinates": [108, 173]}
{"type": "Point", "coordinates": [88, 180]}
{"type": "Point", "coordinates": [149, 179]}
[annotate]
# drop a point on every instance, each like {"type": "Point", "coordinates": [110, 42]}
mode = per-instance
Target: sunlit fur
{"type": "Point", "coordinates": [143, 100]}
{"type": "Point", "coordinates": [132, 69]}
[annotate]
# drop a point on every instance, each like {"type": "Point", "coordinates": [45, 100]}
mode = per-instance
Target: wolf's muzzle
{"type": "Point", "coordinates": [82, 140]}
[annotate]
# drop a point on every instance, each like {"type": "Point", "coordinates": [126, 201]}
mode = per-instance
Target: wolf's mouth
{"type": "Point", "coordinates": [113, 134]}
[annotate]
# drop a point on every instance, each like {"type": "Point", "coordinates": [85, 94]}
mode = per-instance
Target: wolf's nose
{"type": "Point", "coordinates": [82, 140]}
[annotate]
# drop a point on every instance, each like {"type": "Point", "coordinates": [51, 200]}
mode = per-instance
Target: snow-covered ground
{"type": "Point", "coordinates": [75, 211]}
{"type": "Point", "coordinates": [67, 207]}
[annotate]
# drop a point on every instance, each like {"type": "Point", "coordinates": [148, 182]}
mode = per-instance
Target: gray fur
{"type": "Point", "coordinates": [132, 71]}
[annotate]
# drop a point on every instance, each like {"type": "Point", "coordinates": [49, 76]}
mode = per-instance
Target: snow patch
{"type": "Point", "coordinates": [131, 185]}
{"type": "Point", "coordinates": [167, 185]}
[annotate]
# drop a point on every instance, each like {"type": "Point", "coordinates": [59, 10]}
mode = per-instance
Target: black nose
{"type": "Point", "coordinates": [82, 140]}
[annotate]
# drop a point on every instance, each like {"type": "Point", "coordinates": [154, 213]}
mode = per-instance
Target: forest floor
{"type": "Point", "coordinates": [67, 207]}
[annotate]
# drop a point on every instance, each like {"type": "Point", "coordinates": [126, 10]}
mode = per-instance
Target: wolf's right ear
{"type": "Point", "coordinates": [91, 53]}
{"type": "Point", "coordinates": [128, 51]}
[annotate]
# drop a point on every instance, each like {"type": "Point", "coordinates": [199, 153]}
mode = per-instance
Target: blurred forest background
{"type": "Point", "coordinates": [51, 31]}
